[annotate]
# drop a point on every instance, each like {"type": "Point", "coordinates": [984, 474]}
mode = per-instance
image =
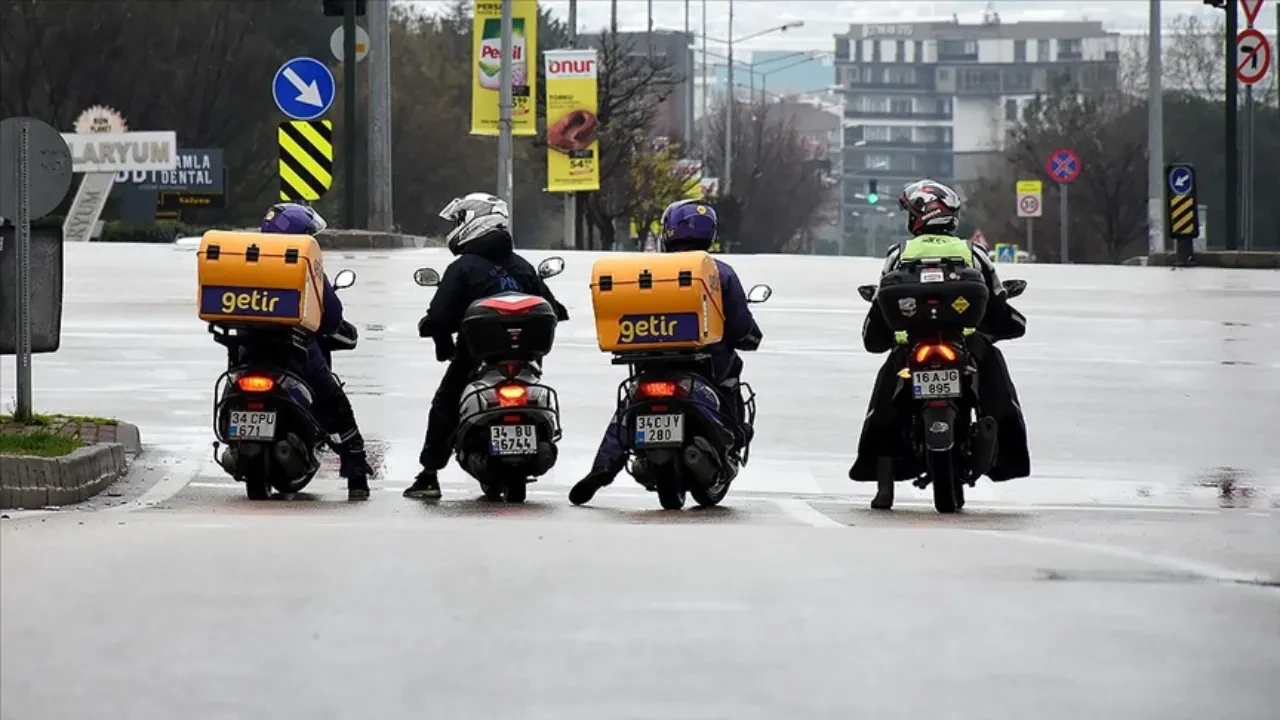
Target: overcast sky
{"type": "Point", "coordinates": [823, 18]}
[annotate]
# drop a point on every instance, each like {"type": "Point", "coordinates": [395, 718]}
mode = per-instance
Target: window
{"type": "Point", "coordinates": [875, 133]}
{"type": "Point", "coordinates": [1042, 51]}
{"type": "Point", "coordinates": [900, 51]}
{"type": "Point", "coordinates": [919, 52]}
{"type": "Point", "coordinates": [899, 76]}
{"type": "Point", "coordinates": [1011, 110]}
{"type": "Point", "coordinates": [900, 135]}
{"type": "Point", "coordinates": [1070, 49]}
{"type": "Point", "coordinates": [872, 104]}
{"type": "Point", "coordinates": [957, 49]}
{"type": "Point", "coordinates": [876, 162]}
{"type": "Point", "coordinates": [1017, 80]}
{"type": "Point", "coordinates": [875, 51]}
{"type": "Point", "coordinates": [857, 51]}
{"type": "Point", "coordinates": [975, 80]}
{"type": "Point", "coordinates": [1019, 50]}
{"type": "Point", "coordinates": [842, 49]}
{"type": "Point", "coordinates": [900, 106]}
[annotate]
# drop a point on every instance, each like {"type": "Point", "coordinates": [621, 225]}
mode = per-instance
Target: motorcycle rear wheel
{"type": "Point", "coordinates": [948, 487]}
{"type": "Point", "coordinates": [517, 491]}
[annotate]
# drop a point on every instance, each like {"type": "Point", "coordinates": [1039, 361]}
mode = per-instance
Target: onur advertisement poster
{"type": "Point", "coordinates": [573, 147]}
{"type": "Point", "coordinates": [487, 66]}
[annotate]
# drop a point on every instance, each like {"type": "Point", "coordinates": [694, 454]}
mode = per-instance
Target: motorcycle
{"type": "Point", "coordinates": [927, 303]}
{"type": "Point", "coordinates": [263, 408]}
{"type": "Point", "coordinates": [681, 431]}
{"type": "Point", "coordinates": [509, 421]}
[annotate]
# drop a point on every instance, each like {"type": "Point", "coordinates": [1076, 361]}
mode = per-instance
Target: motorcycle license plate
{"type": "Point", "coordinates": [252, 425]}
{"type": "Point", "coordinates": [513, 440]}
{"type": "Point", "coordinates": [654, 430]}
{"type": "Point", "coordinates": [931, 275]}
{"type": "Point", "coordinates": [936, 384]}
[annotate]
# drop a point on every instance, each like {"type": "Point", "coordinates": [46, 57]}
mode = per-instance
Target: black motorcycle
{"type": "Point", "coordinates": [685, 435]}
{"type": "Point", "coordinates": [509, 420]}
{"type": "Point", "coordinates": [263, 408]}
{"type": "Point", "coordinates": [934, 305]}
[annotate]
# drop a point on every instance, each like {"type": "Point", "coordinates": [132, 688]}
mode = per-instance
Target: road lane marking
{"type": "Point", "coordinates": [803, 512]}
{"type": "Point", "coordinates": [1205, 570]}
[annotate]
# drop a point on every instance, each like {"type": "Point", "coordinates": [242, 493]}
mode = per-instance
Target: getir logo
{"type": "Point", "coordinates": [250, 302]}
{"type": "Point", "coordinates": [677, 327]}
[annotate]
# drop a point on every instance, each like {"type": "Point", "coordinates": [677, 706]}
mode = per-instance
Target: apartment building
{"type": "Point", "coordinates": [936, 99]}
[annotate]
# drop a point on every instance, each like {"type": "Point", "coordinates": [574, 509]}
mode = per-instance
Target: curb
{"type": "Point", "coordinates": [31, 483]}
{"type": "Point", "coordinates": [1223, 259]}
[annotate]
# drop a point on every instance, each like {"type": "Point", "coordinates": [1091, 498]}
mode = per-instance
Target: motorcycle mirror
{"type": "Point", "coordinates": [550, 267]}
{"type": "Point", "coordinates": [344, 279]}
{"type": "Point", "coordinates": [1014, 287]}
{"type": "Point", "coordinates": [426, 277]}
{"type": "Point", "coordinates": [759, 293]}
{"type": "Point", "coordinates": [868, 292]}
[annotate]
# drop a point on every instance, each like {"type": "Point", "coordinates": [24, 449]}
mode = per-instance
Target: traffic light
{"type": "Point", "coordinates": [334, 8]}
{"type": "Point", "coordinates": [873, 197]}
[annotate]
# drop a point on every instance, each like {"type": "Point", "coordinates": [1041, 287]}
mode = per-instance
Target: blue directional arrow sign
{"type": "Point", "coordinates": [303, 88]}
{"type": "Point", "coordinates": [1181, 181]}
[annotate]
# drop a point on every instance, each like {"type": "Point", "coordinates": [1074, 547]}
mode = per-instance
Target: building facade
{"type": "Point", "coordinates": [675, 110]}
{"type": "Point", "coordinates": [936, 99]}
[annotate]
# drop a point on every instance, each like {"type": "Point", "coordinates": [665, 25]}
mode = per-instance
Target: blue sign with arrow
{"type": "Point", "coordinates": [1181, 181]}
{"type": "Point", "coordinates": [303, 88]}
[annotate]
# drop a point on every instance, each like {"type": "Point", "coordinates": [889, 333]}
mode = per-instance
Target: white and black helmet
{"type": "Point", "coordinates": [474, 215]}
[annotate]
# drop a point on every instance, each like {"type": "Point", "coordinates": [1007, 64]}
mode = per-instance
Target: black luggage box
{"type": "Point", "coordinates": [511, 325]}
{"type": "Point", "coordinates": [959, 300]}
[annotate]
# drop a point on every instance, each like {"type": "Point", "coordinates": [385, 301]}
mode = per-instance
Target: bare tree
{"type": "Point", "coordinates": [1193, 62]}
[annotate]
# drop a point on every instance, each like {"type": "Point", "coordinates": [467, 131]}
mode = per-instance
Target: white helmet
{"type": "Point", "coordinates": [472, 216]}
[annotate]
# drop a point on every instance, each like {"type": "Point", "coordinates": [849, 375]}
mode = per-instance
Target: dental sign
{"type": "Point", "coordinates": [123, 152]}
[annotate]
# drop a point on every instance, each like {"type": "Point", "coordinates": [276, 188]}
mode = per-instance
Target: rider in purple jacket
{"type": "Point", "coordinates": [687, 225]}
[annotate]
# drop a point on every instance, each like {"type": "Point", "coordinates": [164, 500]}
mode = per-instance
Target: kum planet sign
{"type": "Point", "coordinates": [120, 152]}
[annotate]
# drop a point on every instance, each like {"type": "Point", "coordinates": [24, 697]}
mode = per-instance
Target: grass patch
{"type": "Point", "coordinates": [38, 443]}
{"type": "Point", "coordinates": [43, 420]}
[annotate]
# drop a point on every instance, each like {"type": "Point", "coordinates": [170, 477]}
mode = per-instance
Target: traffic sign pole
{"type": "Point", "coordinates": [349, 114]}
{"type": "Point", "coordinates": [22, 234]}
{"type": "Point", "coordinates": [1231, 151]}
{"type": "Point", "coordinates": [1064, 165]}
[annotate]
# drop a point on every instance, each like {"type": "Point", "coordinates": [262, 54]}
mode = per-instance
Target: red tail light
{"type": "Point", "coordinates": [512, 396]}
{"type": "Point", "coordinates": [255, 383]}
{"type": "Point", "coordinates": [924, 352]}
{"type": "Point", "coordinates": [657, 389]}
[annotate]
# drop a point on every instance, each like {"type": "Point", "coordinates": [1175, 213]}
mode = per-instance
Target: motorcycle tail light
{"type": "Point", "coordinates": [512, 396]}
{"type": "Point", "coordinates": [657, 389]}
{"type": "Point", "coordinates": [924, 352]}
{"type": "Point", "coordinates": [255, 383]}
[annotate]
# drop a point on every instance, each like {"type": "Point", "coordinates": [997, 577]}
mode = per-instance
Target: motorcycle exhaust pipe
{"type": "Point", "coordinates": [547, 454]}
{"type": "Point", "coordinates": [288, 456]}
{"type": "Point", "coordinates": [700, 458]}
{"type": "Point", "coordinates": [229, 459]}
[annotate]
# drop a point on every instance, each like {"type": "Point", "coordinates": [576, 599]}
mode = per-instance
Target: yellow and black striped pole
{"type": "Point", "coordinates": [1183, 219]}
{"type": "Point", "coordinates": [306, 159]}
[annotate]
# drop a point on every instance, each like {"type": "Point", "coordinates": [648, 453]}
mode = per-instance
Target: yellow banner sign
{"type": "Point", "coordinates": [487, 64]}
{"type": "Point", "coordinates": [573, 145]}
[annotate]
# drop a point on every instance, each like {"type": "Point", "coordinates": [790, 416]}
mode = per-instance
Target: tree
{"type": "Point", "coordinates": [630, 84]}
{"type": "Point", "coordinates": [778, 186]}
{"type": "Point", "coordinates": [657, 182]}
{"type": "Point", "coordinates": [1193, 63]}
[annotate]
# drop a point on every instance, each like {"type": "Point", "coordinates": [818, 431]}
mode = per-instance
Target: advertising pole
{"type": "Point", "coordinates": [1155, 135]}
{"type": "Point", "coordinates": [504, 114]}
{"type": "Point", "coordinates": [571, 198]}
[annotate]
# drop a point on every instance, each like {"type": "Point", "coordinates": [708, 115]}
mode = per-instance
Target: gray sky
{"type": "Point", "coordinates": [823, 18]}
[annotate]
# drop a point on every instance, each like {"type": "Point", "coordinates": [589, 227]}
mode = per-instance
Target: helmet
{"type": "Point", "coordinates": [472, 216]}
{"type": "Point", "coordinates": [688, 225]}
{"type": "Point", "coordinates": [293, 219]}
{"type": "Point", "coordinates": [931, 207]}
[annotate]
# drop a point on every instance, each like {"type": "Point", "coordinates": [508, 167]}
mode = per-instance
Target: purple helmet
{"type": "Point", "coordinates": [292, 219]}
{"type": "Point", "coordinates": [688, 225]}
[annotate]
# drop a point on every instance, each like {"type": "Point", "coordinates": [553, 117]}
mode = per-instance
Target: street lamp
{"type": "Point", "coordinates": [727, 180]}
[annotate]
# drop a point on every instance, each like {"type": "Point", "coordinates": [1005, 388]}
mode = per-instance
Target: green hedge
{"type": "Point", "coordinates": [116, 231]}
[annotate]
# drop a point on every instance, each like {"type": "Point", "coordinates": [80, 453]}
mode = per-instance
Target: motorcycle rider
{"type": "Point", "coordinates": [688, 225]}
{"type": "Point", "coordinates": [933, 212]}
{"type": "Point", "coordinates": [486, 265]}
{"type": "Point", "coordinates": [332, 407]}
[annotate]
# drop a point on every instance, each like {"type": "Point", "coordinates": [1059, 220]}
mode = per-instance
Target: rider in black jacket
{"type": "Point", "coordinates": [486, 265]}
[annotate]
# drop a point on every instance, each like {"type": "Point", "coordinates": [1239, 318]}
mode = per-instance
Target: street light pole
{"type": "Point", "coordinates": [726, 182]}
{"type": "Point", "coordinates": [381, 217]}
{"type": "Point", "coordinates": [504, 113]}
{"type": "Point", "coordinates": [706, 87]}
{"type": "Point", "coordinates": [1155, 135]}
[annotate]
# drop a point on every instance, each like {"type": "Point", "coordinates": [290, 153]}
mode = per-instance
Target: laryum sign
{"type": "Point", "coordinates": [116, 152]}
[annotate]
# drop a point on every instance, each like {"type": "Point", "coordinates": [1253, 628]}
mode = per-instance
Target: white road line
{"type": "Point", "coordinates": [1206, 570]}
{"type": "Point", "coordinates": [803, 512]}
{"type": "Point", "coordinates": [1013, 505]}
{"type": "Point", "coordinates": [177, 477]}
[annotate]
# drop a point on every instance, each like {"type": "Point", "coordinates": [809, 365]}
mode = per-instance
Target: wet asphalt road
{"type": "Point", "coordinates": [1124, 580]}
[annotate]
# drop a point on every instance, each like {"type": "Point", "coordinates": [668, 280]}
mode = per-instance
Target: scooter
{"type": "Point", "coordinates": [509, 420]}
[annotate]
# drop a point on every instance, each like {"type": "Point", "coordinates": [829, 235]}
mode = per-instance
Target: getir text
{"type": "Point", "coordinates": [664, 328]}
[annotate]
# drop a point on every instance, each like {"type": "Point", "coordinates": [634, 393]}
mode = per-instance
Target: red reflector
{"type": "Point", "coordinates": [658, 388]}
{"type": "Point", "coordinates": [255, 383]}
{"type": "Point", "coordinates": [254, 406]}
{"type": "Point", "coordinates": [659, 408]}
{"type": "Point", "coordinates": [512, 396]}
{"type": "Point", "coordinates": [511, 305]}
{"type": "Point", "coordinates": [937, 403]}
{"type": "Point", "coordinates": [511, 418]}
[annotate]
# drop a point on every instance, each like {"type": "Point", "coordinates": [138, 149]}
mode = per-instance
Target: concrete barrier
{"type": "Point", "coordinates": [1224, 259]}
{"type": "Point", "coordinates": [31, 483]}
{"type": "Point", "coordinates": [370, 240]}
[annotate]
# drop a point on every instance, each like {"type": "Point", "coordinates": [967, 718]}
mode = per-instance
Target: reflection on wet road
{"type": "Point", "coordinates": [1127, 579]}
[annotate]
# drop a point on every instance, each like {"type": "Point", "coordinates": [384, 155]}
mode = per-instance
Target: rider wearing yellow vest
{"type": "Point", "coordinates": [933, 213]}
